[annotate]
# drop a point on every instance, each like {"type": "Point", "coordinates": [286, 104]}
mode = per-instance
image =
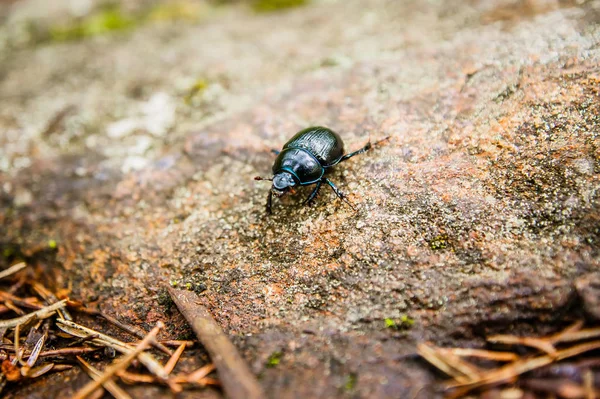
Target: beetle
{"type": "Point", "coordinates": [305, 159]}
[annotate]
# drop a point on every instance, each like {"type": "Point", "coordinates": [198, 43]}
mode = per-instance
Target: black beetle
{"type": "Point", "coordinates": [305, 159]}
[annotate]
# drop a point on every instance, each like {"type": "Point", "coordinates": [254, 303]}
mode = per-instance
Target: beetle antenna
{"type": "Point", "coordinates": [380, 141]}
{"type": "Point", "coordinates": [262, 178]}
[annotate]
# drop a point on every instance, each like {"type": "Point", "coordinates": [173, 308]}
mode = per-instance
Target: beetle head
{"type": "Point", "coordinates": [282, 183]}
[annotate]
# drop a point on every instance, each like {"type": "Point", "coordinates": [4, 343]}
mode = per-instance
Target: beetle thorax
{"type": "Point", "coordinates": [282, 182]}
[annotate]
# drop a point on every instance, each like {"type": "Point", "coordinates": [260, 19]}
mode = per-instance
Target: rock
{"type": "Point", "coordinates": [480, 215]}
{"type": "Point", "coordinates": [588, 288]}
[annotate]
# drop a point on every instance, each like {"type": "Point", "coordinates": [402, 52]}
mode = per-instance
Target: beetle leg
{"type": "Point", "coordinates": [269, 201]}
{"type": "Point", "coordinates": [337, 192]}
{"type": "Point", "coordinates": [366, 148]}
{"type": "Point", "coordinates": [313, 194]}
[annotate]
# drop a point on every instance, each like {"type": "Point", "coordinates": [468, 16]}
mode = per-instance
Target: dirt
{"type": "Point", "coordinates": [128, 157]}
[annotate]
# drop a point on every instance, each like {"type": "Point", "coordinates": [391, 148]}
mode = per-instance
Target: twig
{"type": "Point", "coordinates": [120, 365]}
{"type": "Point", "coordinates": [68, 352]}
{"type": "Point", "coordinates": [110, 385]}
{"type": "Point", "coordinates": [237, 380]}
{"type": "Point", "coordinates": [39, 314]}
{"type": "Point", "coordinates": [13, 269]}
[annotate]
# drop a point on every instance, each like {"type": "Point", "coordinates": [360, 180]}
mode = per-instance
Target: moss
{"type": "Point", "coordinates": [165, 300]}
{"type": "Point", "coordinates": [112, 18]}
{"type": "Point", "coordinates": [404, 322]}
{"type": "Point", "coordinates": [197, 88]}
{"type": "Point", "coordinates": [439, 242]}
{"type": "Point", "coordinates": [187, 335]}
{"type": "Point", "coordinates": [390, 323]}
{"type": "Point", "coordinates": [108, 19]}
{"type": "Point", "coordinates": [52, 244]}
{"type": "Point", "coordinates": [350, 383]}
{"type": "Point", "coordinates": [176, 11]}
{"type": "Point", "coordinates": [8, 252]}
{"type": "Point", "coordinates": [274, 359]}
{"type": "Point", "coordinates": [276, 5]}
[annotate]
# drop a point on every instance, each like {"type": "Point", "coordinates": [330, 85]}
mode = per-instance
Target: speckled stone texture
{"type": "Point", "coordinates": [481, 214]}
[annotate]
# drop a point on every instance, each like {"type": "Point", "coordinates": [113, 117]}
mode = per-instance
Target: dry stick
{"type": "Point", "coordinates": [110, 386]}
{"type": "Point", "coordinates": [40, 314]}
{"type": "Point", "coordinates": [120, 365]}
{"type": "Point", "coordinates": [68, 352]}
{"type": "Point", "coordinates": [236, 378]}
{"type": "Point", "coordinates": [13, 269]}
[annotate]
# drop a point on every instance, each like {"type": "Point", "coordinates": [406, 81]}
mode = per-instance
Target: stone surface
{"type": "Point", "coordinates": [136, 151]}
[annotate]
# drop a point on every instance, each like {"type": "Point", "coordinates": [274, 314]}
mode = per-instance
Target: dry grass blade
{"type": "Point", "coordinates": [174, 359]}
{"type": "Point", "coordinates": [512, 370]}
{"type": "Point", "coordinates": [50, 297]}
{"type": "Point", "coordinates": [126, 327]}
{"type": "Point", "coordinates": [176, 343]}
{"type": "Point", "coordinates": [12, 270]}
{"type": "Point", "coordinates": [29, 303]}
{"type": "Point", "coordinates": [132, 330]}
{"type": "Point", "coordinates": [580, 335]}
{"type": "Point", "coordinates": [132, 378]}
{"type": "Point", "coordinates": [199, 374]}
{"type": "Point", "coordinates": [537, 343]}
{"type": "Point", "coordinates": [80, 331]}
{"type": "Point", "coordinates": [36, 371]}
{"type": "Point", "coordinates": [36, 351]}
{"type": "Point", "coordinates": [483, 354]}
{"type": "Point", "coordinates": [588, 385]}
{"type": "Point", "coordinates": [10, 305]}
{"type": "Point", "coordinates": [18, 352]}
{"type": "Point", "coordinates": [39, 314]}
{"type": "Point", "coordinates": [122, 364]}
{"type": "Point", "coordinates": [110, 386]}
{"type": "Point", "coordinates": [449, 366]}
{"type": "Point", "coordinates": [558, 387]}
{"type": "Point", "coordinates": [209, 381]}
